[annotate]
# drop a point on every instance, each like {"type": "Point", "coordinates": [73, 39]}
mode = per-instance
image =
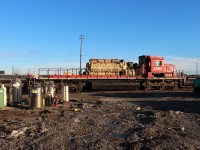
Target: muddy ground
{"type": "Point", "coordinates": [137, 120]}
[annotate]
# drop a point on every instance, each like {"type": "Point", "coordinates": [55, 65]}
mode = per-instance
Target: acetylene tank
{"type": "Point", "coordinates": [15, 91]}
{"type": "Point", "coordinates": [49, 89]}
{"type": "Point", "coordinates": [52, 91]}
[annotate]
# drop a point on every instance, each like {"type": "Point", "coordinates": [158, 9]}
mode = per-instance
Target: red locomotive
{"type": "Point", "coordinates": [150, 72]}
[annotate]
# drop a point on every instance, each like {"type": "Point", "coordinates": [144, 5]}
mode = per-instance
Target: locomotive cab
{"type": "Point", "coordinates": [151, 66]}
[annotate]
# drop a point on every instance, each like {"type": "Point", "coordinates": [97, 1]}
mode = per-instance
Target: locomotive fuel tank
{"type": "Point", "coordinates": [114, 85]}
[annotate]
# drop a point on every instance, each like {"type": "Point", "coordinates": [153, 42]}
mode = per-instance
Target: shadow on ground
{"type": "Point", "coordinates": [147, 94]}
{"type": "Point", "coordinates": [187, 102]}
{"type": "Point", "coordinates": [183, 106]}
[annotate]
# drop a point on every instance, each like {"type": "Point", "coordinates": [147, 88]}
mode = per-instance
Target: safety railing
{"type": "Point", "coordinates": [60, 73]}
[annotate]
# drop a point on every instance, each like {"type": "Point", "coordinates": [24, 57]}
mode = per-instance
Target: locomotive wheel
{"type": "Point", "coordinates": [162, 86]}
{"type": "Point", "coordinates": [147, 85]}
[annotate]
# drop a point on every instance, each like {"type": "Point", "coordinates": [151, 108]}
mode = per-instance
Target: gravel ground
{"type": "Point", "coordinates": [139, 120]}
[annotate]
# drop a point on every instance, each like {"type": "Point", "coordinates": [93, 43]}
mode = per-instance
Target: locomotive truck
{"type": "Point", "coordinates": [150, 72]}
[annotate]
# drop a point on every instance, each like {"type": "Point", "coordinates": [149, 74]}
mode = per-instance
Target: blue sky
{"type": "Point", "coordinates": [45, 33]}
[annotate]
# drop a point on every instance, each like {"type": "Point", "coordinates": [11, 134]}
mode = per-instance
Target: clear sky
{"type": "Point", "coordinates": [45, 33]}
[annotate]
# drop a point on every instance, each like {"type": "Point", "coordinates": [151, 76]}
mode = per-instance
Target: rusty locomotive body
{"type": "Point", "coordinates": [150, 72]}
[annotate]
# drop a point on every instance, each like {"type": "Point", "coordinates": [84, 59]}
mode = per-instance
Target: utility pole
{"type": "Point", "coordinates": [13, 70]}
{"type": "Point", "coordinates": [197, 68]}
{"type": "Point", "coordinates": [81, 38]}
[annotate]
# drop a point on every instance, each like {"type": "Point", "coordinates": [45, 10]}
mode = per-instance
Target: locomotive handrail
{"type": "Point", "coordinates": [73, 73]}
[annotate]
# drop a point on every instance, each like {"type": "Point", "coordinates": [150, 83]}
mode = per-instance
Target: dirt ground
{"type": "Point", "coordinates": [139, 120]}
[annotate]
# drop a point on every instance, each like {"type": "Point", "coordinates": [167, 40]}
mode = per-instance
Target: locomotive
{"type": "Point", "coordinates": [150, 72]}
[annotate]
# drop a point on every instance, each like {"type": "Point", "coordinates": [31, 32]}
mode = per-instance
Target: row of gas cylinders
{"type": "Point", "coordinates": [12, 95]}
{"type": "Point", "coordinates": [46, 96]}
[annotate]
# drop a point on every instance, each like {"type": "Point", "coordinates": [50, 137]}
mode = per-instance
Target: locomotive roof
{"type": "Point", "coordinates": [156, 57]}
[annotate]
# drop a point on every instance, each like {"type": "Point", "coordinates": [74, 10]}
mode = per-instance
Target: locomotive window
{"type": "Point", "coordinates": [158, 63]}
